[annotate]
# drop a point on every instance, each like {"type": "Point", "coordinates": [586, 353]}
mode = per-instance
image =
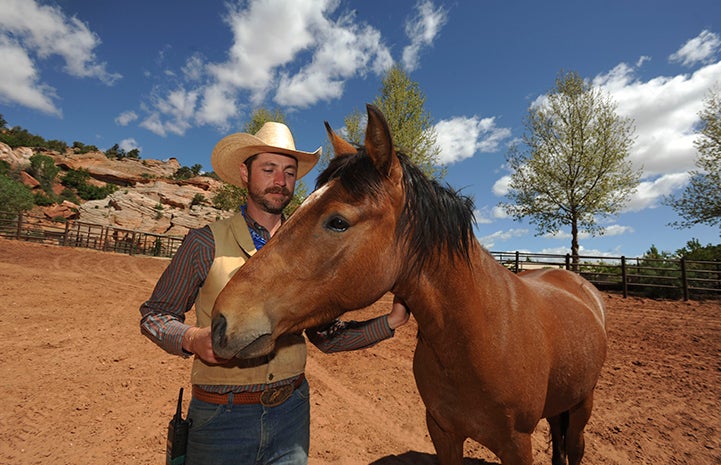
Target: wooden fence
{"type": "Point", "coordinates": [73, 233]}
{"type": "Point", "coordinates": [656, 278]}
{"type": "Point", "coordinates": [649, 277]}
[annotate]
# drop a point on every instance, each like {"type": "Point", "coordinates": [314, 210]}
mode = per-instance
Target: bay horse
{"type": "Point", "coordinates": [496, 352]}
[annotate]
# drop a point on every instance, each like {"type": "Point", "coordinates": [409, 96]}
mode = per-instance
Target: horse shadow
{"type": "Point", "coordinates": [422, 458]}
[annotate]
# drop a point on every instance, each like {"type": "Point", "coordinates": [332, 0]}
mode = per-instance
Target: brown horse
{"type": "Point", "coordinates": [496, 351]}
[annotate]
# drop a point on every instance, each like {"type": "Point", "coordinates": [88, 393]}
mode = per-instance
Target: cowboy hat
{"type": "Point", "coordinates": [272, 137]}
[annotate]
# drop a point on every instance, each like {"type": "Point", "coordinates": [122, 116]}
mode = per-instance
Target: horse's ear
{"type": "Point", "coordinates": [379, 145]}
{"type": "Point", "coordinates": [340, 145]}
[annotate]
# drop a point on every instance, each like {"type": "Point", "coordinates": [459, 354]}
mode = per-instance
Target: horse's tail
{"type": "Point", "coordinates": [559, 433]}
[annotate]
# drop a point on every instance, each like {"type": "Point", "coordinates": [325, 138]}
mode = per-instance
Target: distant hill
{"type": "Point", "coordinates": [147, 199]}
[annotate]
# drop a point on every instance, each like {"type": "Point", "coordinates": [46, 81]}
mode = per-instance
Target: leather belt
{"type": "Point", "coordinates": [269, 397]}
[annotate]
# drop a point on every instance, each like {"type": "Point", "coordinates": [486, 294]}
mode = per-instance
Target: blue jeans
{"type": "Point", "coordinates": [250, 434]}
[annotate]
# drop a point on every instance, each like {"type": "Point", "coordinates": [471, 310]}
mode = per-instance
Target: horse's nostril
{"type": "Point", "coordinates": [219, 325]}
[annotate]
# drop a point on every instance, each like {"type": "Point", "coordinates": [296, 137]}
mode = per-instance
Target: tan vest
{"type": "Point", "coordinates": [233, 246]}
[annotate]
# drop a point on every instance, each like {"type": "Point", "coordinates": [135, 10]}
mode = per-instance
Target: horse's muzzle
{"type": "Point", "coordinates": [238, 346]}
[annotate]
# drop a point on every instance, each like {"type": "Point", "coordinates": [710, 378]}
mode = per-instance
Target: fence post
{"type": "Point", "coordinates": [518, 264]}
{"type": "Point", "coordinates": [624, 277]}
{"type": "Point", "coordinates": [18, 231]}
{"type": "Point", "coordinates": [65, 234]}
{"type": "Point", "coordinates": [684, 281]}
{"type": "Point", "coordinates": [568, 261]}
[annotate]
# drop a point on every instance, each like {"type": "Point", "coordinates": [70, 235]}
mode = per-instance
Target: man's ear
{"type": "Point", "coordinates": [244, 175]}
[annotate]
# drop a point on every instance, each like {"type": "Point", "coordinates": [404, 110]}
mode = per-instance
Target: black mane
{"type": "Point", "coordinates": [434, 217]}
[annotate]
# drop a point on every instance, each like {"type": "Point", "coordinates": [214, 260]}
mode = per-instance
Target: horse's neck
{"type": "Point", "coordinates": [453, 296]}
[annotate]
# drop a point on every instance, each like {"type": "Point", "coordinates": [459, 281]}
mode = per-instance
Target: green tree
{"type": "Point", "coordinates": [575, 168]}
{"type": "Point", "coordinates": [700, 202]}
{"type": "Point", "coordinates": [402, 103]}
{"type": "Point", "coordinates": [43, 168]}
{"type": "Point", "coordinates": [229, 197]}
{"type": "Point", "coordinates": [15, 197]}
{"type": "Point", "coordinates": [693, 250]}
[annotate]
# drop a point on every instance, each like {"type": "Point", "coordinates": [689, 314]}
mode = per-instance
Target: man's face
{"type": "Point", "coordinates": [271, 181]}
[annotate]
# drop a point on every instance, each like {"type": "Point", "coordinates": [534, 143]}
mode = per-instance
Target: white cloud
{"type": "Point", "coordinates": [129, 144]}
{"type": "Point", "coordinates": [665, 111]}
{"type": "Point", "coordinates": [172, 113]}
{"type": "Point", "coordinates": [125, 118]}
{"type": "Point", "coordinates": [482, 216]}
{"type": "Point", "coordinates": [461, 137]}
{"type": "Point", "coordinates": [27, 30]}
{"type": "Point", "coordinates": [701, 49]}
{"type": "Point", "coordinates": [307, 58]}
{"type": "Point", "coordinates": [344, 50]}
{"type": "Point", "coordinates": [422, 29]}
{"type": "Point", "coordinates": [490, 240]}
{"type": "Point", "coordinates": [20, 81]}
{"type": "Point", "coordinates": [649, 193]}
{"type": "Point", "coordinates": [500, 187]}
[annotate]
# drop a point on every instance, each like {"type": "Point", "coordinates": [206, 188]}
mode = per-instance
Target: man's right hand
{"type": "Point", "coordinates": [198, 341]}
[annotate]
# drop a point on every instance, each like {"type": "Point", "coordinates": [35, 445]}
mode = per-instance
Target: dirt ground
{"type": "Point", "coordinates": [80, 385]}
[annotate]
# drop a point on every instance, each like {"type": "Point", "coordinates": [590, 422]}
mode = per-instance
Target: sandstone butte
{"type": "Point", "coordinates": [148, 199]}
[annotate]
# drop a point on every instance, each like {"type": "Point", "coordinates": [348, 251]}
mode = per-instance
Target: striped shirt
{"type": "Point", "coordinates": [163, 315]}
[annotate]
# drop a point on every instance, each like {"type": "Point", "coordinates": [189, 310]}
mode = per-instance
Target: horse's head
{"type": "Point", "coordinates": [336, 253]}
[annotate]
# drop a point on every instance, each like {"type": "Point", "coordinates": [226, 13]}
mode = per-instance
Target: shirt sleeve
{"type": "Point", "coordinates": [340, 336]}
{"type": "Point", "coordinates": [163, 315]}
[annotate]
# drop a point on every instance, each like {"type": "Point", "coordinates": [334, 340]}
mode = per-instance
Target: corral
{"type": "Point", "coordinates": [81, 385]}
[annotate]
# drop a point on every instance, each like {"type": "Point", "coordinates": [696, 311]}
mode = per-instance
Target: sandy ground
{"type": "Point", "coordinates": [80, 385]}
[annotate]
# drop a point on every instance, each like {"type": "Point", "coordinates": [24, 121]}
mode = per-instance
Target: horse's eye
{"type": "Point", "coordinates": [337, 224]}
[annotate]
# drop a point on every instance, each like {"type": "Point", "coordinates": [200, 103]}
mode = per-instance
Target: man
{"type": "Point", "coordinates": [258, 411]}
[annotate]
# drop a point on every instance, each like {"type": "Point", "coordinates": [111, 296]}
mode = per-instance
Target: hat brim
{"type": "Point", "coordinates": [235, 149]}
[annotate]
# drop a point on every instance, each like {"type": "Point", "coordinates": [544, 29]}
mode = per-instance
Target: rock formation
{"type": "Point", "coordinates": [148, 199]}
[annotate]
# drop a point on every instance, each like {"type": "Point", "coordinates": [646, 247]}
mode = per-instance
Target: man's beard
{"type": "Point", "coordinates": [268, 205]}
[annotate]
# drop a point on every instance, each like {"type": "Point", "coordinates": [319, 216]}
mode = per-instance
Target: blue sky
{"type": "Point", "coordinates": [172, 77]}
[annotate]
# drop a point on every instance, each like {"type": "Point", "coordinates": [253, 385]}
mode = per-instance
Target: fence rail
{"type": "Point", "coordinates": [88, 235]}
{"type": "Point", "coordinates": [649, 277]}
{"type": "Point", "coordinates": [656, 278]}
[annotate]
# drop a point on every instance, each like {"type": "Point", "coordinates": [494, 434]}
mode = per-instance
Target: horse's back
{"type": "Point", "coordinates": [561, 286]}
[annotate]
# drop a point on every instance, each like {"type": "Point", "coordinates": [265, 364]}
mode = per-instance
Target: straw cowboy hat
{"type": "Point", "coordinates": [234, 149]}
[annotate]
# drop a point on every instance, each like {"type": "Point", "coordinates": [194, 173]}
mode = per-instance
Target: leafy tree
{"type": "Point", "coordinates": [402, 102]}
{"type": "Point", "coordinates": [700, 202]}
{"type": "Point", "coordinates": [78, 180]}
{"type": "Point", "coordinates": [15, 197]}
{"type": "Point", "coordinates": [186, 173]}
{"type": "Point", "coordinates": [43, 168]}
{"type": "Point", "coordinates": [56, 145]}
{"type": "Point", "coordinates": [229, 197]}
{"type": "Point", "coordinates": [3, 122]}
{"type": "Point", "coordinates": [576, 166]}
{"type": "Point", "coordinates": [261, 116]}
{"type": "Point", "coordinates": [79, 147]}
{"type": "Point", "coordinates": [117, 153]}
{"type": "Point", "coordinates": [19, 137]}
{"type": "Point", "coordinates": [693, 250]}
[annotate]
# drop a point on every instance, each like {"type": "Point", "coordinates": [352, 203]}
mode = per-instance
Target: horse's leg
{"type": "Point", "coordinates": [559, 427]}
{"type": "Point", "coordinates": [578, 417]}
{"type": "Point", "coordinates": [517, 450]}
{"type": "Point", "coordinates": [449, 446]}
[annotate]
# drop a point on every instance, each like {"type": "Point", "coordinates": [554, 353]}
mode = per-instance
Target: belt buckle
{"type": "Point", "coordinates": [275, 396]}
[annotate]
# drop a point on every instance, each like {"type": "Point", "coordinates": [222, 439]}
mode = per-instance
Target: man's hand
{"type": "Point", "coordinates": [198, 341]}
{"type": "Point", "coordinates": [399, 314]}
